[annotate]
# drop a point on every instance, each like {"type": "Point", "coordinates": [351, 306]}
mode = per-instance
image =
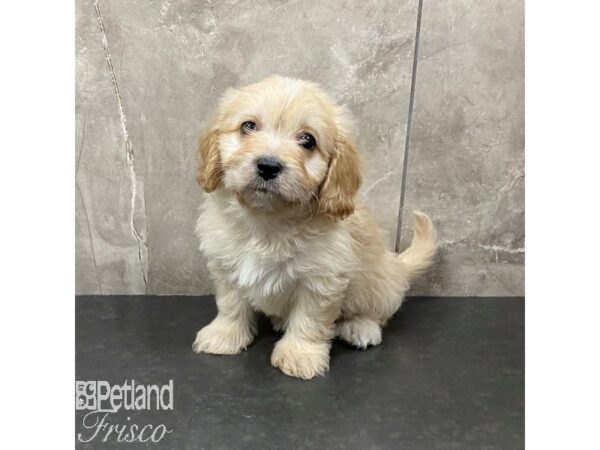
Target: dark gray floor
{"type": "Point", "coordinates": [448, 375]}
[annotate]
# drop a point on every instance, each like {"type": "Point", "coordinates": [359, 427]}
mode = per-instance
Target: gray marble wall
{"type": "Point", "coordinates": [148, 74]}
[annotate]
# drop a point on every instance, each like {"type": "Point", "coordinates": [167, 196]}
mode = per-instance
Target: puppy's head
{"type": "Point", "coordinates": [282, 142]}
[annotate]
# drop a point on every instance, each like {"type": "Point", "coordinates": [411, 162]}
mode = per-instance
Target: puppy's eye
{"type": "Point", "coordinates": [248, 127]}
{"type": "Point", "coordinates": [307, 141]}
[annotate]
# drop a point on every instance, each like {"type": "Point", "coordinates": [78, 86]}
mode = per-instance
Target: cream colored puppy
{"type": "Point", "coordinates": [283, 234]}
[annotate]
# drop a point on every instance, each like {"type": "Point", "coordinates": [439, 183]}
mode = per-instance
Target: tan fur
{"type": "Point", "coordinates": [338, 192]}
{"type": "Point", "coordinates": [419, 256]}
{"type": "Point", "coordinates": [209, 170]}
{"type": "Point", "coordinates": [281, 248]}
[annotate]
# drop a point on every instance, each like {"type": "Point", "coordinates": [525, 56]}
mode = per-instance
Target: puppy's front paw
{"type": "Point", "coordinates": [300, 358]}
{"type": "Point", "coordinates": [222, 337]}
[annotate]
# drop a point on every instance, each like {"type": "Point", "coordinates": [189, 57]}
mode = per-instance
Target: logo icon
{"type": "Point", "coordinates": [85, 395]}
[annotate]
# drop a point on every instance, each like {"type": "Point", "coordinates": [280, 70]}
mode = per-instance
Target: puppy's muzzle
{"type": "Point", "coordinates": [268, 167]}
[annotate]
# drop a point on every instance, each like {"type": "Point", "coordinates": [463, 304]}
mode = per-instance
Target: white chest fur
{"type": "Point", "coordinates": [265, 257]}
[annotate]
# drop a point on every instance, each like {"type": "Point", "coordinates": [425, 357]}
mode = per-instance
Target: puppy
{"type": "Point", "coordinates": [283, 234]}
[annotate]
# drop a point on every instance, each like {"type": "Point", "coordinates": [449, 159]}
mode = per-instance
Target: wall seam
{"type": "Point", "coordinates": [409, 125]}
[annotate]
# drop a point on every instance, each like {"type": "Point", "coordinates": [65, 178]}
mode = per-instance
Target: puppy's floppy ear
{"type": "Point", "coordinates": [209, 168]}
{"type": "Point", "coordinates": [337, 195]}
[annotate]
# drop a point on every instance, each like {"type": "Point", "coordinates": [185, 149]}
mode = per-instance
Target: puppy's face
{"type": "Point", "coordinates": [281, 142]}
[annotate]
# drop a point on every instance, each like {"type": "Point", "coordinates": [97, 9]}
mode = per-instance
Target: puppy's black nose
{"type": "Point", "coordinates": [268, 167]}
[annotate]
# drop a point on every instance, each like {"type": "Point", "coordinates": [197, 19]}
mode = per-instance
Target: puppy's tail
{"type": "Point", "coordinates": [419, 255]}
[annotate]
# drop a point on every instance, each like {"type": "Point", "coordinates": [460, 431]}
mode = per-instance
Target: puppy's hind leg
{"type": "Point", "coordinates": [373, 296]}
{"type": "Point", "coordinates": [360, 332]}
{"type": "Point", "coordinates": [278, 324]}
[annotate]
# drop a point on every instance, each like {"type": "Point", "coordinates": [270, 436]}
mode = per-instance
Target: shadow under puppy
{"type": "Point", "coordinates": [282, 232]}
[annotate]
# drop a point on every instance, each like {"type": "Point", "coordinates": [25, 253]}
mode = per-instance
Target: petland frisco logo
{"type": "Point", "coordinates": [104, 401]}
